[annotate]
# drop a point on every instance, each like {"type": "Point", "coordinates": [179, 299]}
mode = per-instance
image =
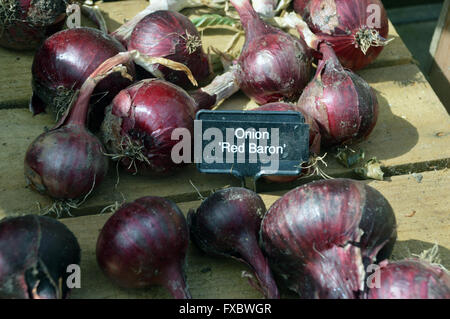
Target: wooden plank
{"type": "Point", "coordinates": [211, 277]}
{"type": "Point", "coordinates": [412, 135]}
{"type": "Point", "coordinates": [15, 88]}
{"type": "Point", "coordinates": [439, 49]}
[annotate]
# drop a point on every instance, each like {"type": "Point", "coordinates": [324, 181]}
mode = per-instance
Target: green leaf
{"type": "Point", "coordinates": [209, 20]}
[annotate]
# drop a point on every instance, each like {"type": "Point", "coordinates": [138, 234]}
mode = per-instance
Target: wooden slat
{"type": "Point", "coordinates": [412, 135]}
{"type": "Point", "coordinates": [210, 277]}
{"type": "Point", "coordinates": [15, 67]}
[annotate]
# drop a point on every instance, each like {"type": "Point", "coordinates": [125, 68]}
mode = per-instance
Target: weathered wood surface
{"type": "Point", "coordinates": [15, 67]}
{"type": "Point", "coordinates": [412, 135]}
{"type": "Point", "coordinates": [211, 277]}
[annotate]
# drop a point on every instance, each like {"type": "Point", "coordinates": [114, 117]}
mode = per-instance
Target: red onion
{"type": "Point", "coordinates": [35, 252]}
{"type": "Point", "coordinates": [314, 135]}
{"type": "Point", "coordinates": [65, 61]}
{"type": "Point", "coordinates": [410, 279]}
{"type": "Point", "coordinates": [138, 125]}
{"type": "Point", "coordinates": [24, 24]}
{"type": "Point", "coordinates": [227, 224]}
{"type": "Point", "coordinates": [320, 237]}
{"type": "Point", "coordinates": [171, 35]}
{"type": "Point", "coordinates": [273, 65]}
{"type": "Point", "coordinates": [68, 161]}
{"type": "Point", "coordinates": [342, 103]}
{"type": "Point", "coordinates": [357, 29]}
{"type": "Point", "coordinates": [144, 243]}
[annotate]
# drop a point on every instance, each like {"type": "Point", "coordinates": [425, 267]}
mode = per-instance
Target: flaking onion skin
{"type": "Point", "coordinates": [320, 237]}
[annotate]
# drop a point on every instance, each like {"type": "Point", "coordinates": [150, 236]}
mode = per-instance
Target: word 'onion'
{"type": "Point", "coordinates": [227, 224]}
{"type": "Point", "coordinates": [320, 237]}
{"type": "Point", "coordinates": [144, 243]}
{"type": "Point", "coordinates": [35, 253]}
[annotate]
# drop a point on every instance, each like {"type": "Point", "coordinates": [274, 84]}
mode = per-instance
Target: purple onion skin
{"type": "Point", "coordinates": [65, 163]}
{"type": "Point", "coordinates": [411, 279]}
{"type": "Point", "coordinates": [24, 24]}
{"type": "Point", "coordinates": [34, 254]}
{"type": "Point", "coordinates": [273, 65]}
{"type": "Point", "coordinates": [227, 224]}
{"type": "Point", "coordinates": [320, 237]}
{"type": "Point", "coordinates": [342, 103]}
{"type": "Point", "coordinates": [171, 35]}
{"type": "Point", "coordinates": [144, 243]}
{"type": "Point", "coordinates": [147, 113]}
{"type": "Point", "coordinates": [338, 22]}
{"type": "Point", "coordinates": [314, 135]}
{"type": "Point", "coordinates": [64, 62]}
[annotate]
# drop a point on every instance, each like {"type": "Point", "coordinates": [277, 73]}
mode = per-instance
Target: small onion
{"type": "Point", "coordinates": [35, 252]}
{"type": "Point", "coordinates": [144, 243]}
{"type": "Point", "coordinates": [227, 224]}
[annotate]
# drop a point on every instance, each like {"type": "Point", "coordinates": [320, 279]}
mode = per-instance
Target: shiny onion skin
{"type": "Point", "coordinates": [227, 224]}
{"type": "Point", "coordinates": [64, 62]}
{"type": "Point", "coordinates": [344, 24]}
{"type": "Point", "coordinates": [173, 36]}
{"type": "Point", "coordinates": [35, 252]}
{"type": "Point", "coordinates": [144, 115]}
{"type": "Point", "coordinates": [144, 243]}
{"type": "Point", "coordinates": [320, 237]}
{"type": "Point", "coordinates": [342, 103]}
{"type": "Point", "coordinates": [314, 135]}
{"type": "Point", "coordinates": [411, 279]}
{"type": "Point", "coordinates": [68, 162]}
{"type": "Point", "coordinates": [273, 65]}
{"type": "Point", "coordinates": [24, 24]}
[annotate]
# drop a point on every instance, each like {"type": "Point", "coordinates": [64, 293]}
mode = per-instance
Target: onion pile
{"type": "Point", "coordinates": [410, 279]}
{"type": "Point", "coordinates": [144, 243]}
{"type": "Point", "coordinates": [173, 36]}
{"type": "Point", "coordinates": [320, 237]}
{"type": "Point", "coordinates": [342, 103]}
{"type": "Point", "coordinates": [24, 24]}
{"type": "Point", "coordinates": [227, 224]}
{"type": "Point", "coordinates": [139, 123]}
{"type": "Point", "coordinates": [35, 252]}
{"type": "Point", "coordinates": [65, 61]}
{"type": "Point", "coordinates": [357, 29]}
{"type": "Point", "coordinates": [273, 65]}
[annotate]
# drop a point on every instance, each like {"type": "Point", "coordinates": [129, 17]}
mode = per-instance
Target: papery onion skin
{"type": "Point", "coordinates": [343, 104]}
{"type": "Point", "coordinates": [35, 252]}
{"type": "Point", "coordinates": [339, 21]}
{"type": "Point", "coordinates": [63, 63]}
{"type": "Point", "coordinates": [227, 224]}
{"type": "Point", "coordinates": [147, 113]}
{"type": "Point", "coordinates": [410, 279]}
{"type": "Point", "coordinates": [314, 135]}
{"type": "Point", "coordinates": [273, 65]}
{"type": "Point", "coordinates": [144, 243]}
{"type": "Point", "coordinates": [320, 237]}
{"type": "Point", "coordinates": [173, 36]}
{"type": "Point", "coordinates": [24, 24]}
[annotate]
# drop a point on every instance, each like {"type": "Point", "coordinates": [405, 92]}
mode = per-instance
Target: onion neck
{"type": "Point", "coordinates": [338, 272]}
{"type": "Point", "coordinates": [221, 88]}
{"type": "Point", "coordinates": [294, 21]}
{"type": "Point", "coordinates": [78, 111]}
{"type": "Point", "coordinates": [252, 254]}
{"type": "Point", "coordinates": [175, 282]}
{"type": "Point", "coordinates": [251, 22]}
